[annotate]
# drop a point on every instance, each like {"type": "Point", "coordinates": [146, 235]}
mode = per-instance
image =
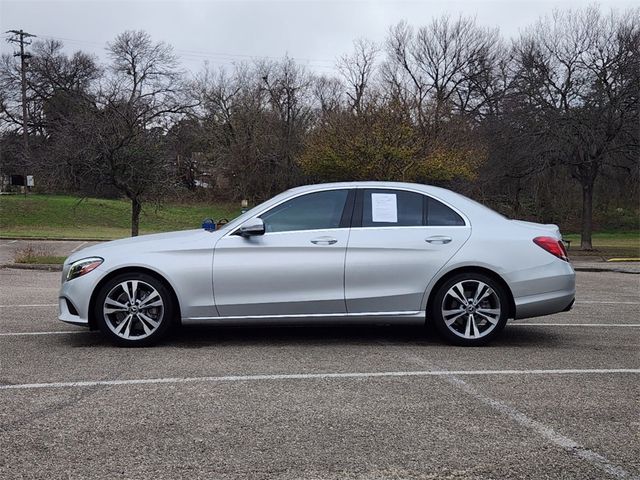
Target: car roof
{"type": "Point", "coordinates": [437, 192]}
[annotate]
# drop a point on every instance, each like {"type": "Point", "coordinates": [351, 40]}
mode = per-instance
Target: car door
{"type": "Point", "coordinates": [295, 268]}
{"type": "Point", "coordinates": [398, 242]}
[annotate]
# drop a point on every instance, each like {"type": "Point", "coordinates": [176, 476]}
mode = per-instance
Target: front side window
{"type": "Point", "coordinates": [313, 211]}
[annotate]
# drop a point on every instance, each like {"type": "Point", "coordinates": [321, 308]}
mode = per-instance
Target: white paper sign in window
{"type": "Point", "coordinates": [384, 207]}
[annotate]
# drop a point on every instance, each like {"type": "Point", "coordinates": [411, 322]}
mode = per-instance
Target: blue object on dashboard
{"type": "Point", "coordinates": [209, 224]}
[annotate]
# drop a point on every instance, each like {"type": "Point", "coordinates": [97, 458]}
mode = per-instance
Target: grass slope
{"type": "Point", "coordinates": [59, 216]}
{"type": "Point", "coordinates": [607, 245]}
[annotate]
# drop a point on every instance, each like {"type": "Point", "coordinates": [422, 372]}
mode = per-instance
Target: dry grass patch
{"type": "Point", "coordinates": [37, 255]}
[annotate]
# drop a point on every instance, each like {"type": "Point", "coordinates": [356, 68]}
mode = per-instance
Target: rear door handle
{"type": "Point", "coordinates": [438, 239]}
{"type": "Point", "coordinates": [324, 241]}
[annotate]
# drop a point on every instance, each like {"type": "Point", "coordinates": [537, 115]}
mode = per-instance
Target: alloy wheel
{"type": "Point", "coordinates": [133, 309]}
{"type": "Point", "coordinates": [471, 309]}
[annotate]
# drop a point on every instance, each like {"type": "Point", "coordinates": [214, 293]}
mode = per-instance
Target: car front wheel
{"type": "Point", "coordinates": [134, 309]}
{"type": "Point", "coordinates": [470, 309]}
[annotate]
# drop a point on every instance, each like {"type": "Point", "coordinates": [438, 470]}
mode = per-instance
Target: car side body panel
{"type": "Point", "coordinates": [281, 273]}
{"type": "Point", "coordinates": [388, 269]}
{"type": "Point", "coordinates": [183, 259]}
{"type": "Point", "coordinates": [539, 282]}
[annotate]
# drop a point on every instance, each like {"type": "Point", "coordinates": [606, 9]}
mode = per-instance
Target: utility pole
{"type": "Point", "coordinates": [19, 37]}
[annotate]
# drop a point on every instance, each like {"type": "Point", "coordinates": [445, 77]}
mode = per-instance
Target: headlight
{"type": "Point", "coordinates": [83, 266]}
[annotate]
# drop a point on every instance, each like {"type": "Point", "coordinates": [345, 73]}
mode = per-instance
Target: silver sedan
{"type": "Point", "coordinates": [374, 252]}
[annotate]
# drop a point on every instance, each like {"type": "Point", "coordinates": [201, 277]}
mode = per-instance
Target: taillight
{"type": "Point", "coordinates": [553, 246]}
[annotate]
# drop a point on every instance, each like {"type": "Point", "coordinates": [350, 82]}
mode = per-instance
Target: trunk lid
{"type": "Point", "coordinates": [548, 228]}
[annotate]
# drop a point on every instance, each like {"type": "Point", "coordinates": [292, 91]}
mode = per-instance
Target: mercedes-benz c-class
{"type": "Point", "coordinates": [376, 252]}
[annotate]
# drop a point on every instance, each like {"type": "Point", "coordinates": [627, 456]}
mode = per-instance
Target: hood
{"type": "Point", "coordinates": [548, 228]}
{"type": "Point", "coordinates": [183, 239]}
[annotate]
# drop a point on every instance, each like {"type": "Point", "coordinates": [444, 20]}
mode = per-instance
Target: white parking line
{"type": "Point", "coordinates": [79, 246]}
{"type": "Point", "coordinates": [566, 443]}
{"type": "Point", "coordinates": [33, 305]}
{"type": "Point", "coordinates": [316, 376]}
{"type": "Point", "coordinates": [8, 243]}
{"type": "Point", "coordinates": [606, 302]}
{"type": "Point", "coordinates": [516, 323]}
{"type": "Point", "coordinates": [24, 334]}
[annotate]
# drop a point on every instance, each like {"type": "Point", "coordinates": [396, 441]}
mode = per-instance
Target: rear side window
{"type": "Point", "coordinates": [313, 211]}
{"type": "Point", "coordinates": [398, 208]}
{"type": "Point", "coordinates": [439, 215]}
{"type": "Point", "coordinates": [392, 208]}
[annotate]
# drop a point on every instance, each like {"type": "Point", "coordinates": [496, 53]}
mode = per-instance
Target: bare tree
{"type": "Point", "coordinates": [357, 69]}
{"type": "Point", "coordinates": [59, 87]}
{"type": "Point", "coordinates": [443, 68]}
{"type": "Point", "coordinates": [140, 100]}
{"type": "Point", "coordinates": [288, 95]}
{"type": "Point", "coordinates": [232, 113]}
{"type": "Point", "coordinates": [578, 73]}
{"type": "Point", "coordinates": [51, 75]}
{"type": "Point", "coordinates": [327, 92]}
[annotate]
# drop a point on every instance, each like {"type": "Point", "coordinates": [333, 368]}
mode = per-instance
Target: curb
{"type": "Point", "coordinates": [598, 269]}
{"type": "Point", "coordinates": [33, 266]}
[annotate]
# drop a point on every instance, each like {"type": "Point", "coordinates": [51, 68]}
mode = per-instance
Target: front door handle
{"type": "Point", "coordinates": [324, 241]}
{"type": "Point", "coordinates": [438, 239]}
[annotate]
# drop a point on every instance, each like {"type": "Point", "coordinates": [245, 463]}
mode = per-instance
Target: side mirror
{"type": "Point", "coordinates": [252, 227]}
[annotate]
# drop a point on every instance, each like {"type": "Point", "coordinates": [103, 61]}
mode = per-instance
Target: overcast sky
{"type": "Point", "coordinates": [314, 32]}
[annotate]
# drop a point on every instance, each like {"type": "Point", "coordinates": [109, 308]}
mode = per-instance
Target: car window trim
{"type": "Point", "coordinates": [356, 219]}
{"type": "Point", "coordinates": [425, 210]}
{"type": "Point", "coordinates": [347, 212]}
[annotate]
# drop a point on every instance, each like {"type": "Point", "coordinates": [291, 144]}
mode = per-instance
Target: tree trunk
{"type": "Point", "coordinates": [136, 208]}
{"type": "Point", "coordinates": [587, 216]}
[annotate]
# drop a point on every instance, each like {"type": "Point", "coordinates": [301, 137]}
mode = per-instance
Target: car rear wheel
{"type": "Point", "coordinates": [470, 309]}
{"type": "Point", "coordinates": [134, 309]}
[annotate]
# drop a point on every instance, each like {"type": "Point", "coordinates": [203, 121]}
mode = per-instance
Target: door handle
{"type": "Point", "coordinates": [324, 241]}
{"type": "Point", "coordinates": [438, 239]}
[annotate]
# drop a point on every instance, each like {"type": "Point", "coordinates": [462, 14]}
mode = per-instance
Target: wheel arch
{"type": "Point", "coordinates": [93, 325]}
{"type": "Point", "coordinates": [471, 269]}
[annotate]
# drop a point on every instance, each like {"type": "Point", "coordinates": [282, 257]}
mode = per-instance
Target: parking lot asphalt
{"type": "Point", "coordinates": [554, 397]}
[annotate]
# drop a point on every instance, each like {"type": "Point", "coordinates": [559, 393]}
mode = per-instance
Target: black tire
{"type": "Point", "coordinates": [456, 333]}
{"type": "Point", "coordinates": [163, 315]}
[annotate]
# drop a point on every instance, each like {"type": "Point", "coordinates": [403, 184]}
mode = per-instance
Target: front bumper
{"type": "Point", "coordinates": [69, 313]}
{"type": "Point", "coordinates": [75, 297]}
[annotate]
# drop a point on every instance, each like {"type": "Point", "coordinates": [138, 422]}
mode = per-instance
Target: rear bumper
{"type": "Point", "coordinates": [570, 306]}
{"type": "Point", "coordinates": [543, 290]}
{"type": "Point", "coordinates": [544, 304]}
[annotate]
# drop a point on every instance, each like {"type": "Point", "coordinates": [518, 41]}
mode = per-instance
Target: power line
{"type": "Point", "coordinates": [209, 54]}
